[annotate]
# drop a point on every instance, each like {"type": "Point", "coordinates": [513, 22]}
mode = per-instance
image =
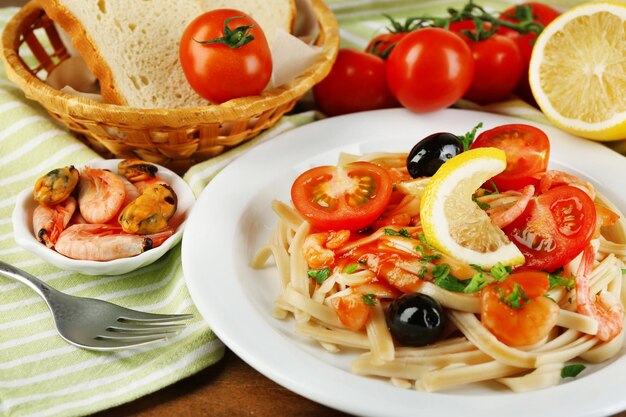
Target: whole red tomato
{"type": "Point", "coordinates": [357, 82]}
{"type": "Point", "coordinates": [541, 13]}
{"type": "Point", "coordinates": [430, 69]}
{"type": "Point", "coordinates": [499, 67]}
{"type": "Point", "coordinates": [224, 55]}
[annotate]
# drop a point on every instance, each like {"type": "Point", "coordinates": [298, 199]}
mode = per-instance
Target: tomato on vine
{"type": "Point", "coordinates": [430, 69]}
{"type": "Point", "coordinates": [356, 82]}
{"type": "Point", "coordinates": [224, 55]}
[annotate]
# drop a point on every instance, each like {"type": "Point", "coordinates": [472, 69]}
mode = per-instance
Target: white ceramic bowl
{"type": "Point", "coordinates": [26, 238]}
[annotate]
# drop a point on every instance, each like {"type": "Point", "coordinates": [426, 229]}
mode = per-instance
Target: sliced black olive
{"type": "Point", "coordinates": [415, 319]}
{"type": "Point", "coordinates": [431, 152]}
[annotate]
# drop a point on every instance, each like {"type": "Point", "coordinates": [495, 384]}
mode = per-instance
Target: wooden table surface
{"type": "Point", "coordinates": [226, 389]}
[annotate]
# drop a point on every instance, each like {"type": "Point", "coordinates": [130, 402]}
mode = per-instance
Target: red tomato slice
{"type": "Point", "coordinates": [555, 227]}
{"type": "Point", "coordinates": [349, 197]}
{"type": "Point", "coordinates": [527, 150]}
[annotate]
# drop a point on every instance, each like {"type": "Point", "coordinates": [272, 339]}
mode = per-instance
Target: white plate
{"type": "Point", "coordinates": [232, 219]}
{"type": "Point", "coordinates": [25, 236]}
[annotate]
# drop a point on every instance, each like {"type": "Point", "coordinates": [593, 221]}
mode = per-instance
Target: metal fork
{"type": "Point", "coordinates": [95, 324]}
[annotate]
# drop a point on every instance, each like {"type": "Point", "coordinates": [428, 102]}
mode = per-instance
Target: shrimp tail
{"type": "Point", "coordinates": [607, 312]}
{"type": "Point", "coordinates": [156, 239]}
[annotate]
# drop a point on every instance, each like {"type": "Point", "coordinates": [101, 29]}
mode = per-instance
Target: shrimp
{"type": "Point", "coordinates": [516, 311]}
{"type": "Point", "coordinates": [102, 242]}
{"type": "Point", "coordinates": [150, 212]}
{"type": "Point", "coordinates": [136, 170]}
{"type": "Point", "coordinates": [552, 178]}
{"type": "Point", "coordinates": [101, 194]}
{"type": "Point", "coordinates": [49, 222]}
{"type": "Point", "coordinates": [317, 247]}
{"type": "Point", "coordinates": [607, 311]}
{"type": "Point", "coordinates": [56, 186]}
{"type": "Point", "coordinates": [504, 215]}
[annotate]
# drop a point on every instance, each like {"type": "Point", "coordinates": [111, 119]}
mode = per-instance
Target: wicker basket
{"type": "Point", "coordinates": [175, 138]}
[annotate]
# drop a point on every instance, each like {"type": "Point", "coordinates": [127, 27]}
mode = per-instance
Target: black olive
{"type": "Point", "coordinates": [431, 152]}
{"type": "Point", "coordinates": [415, 319]}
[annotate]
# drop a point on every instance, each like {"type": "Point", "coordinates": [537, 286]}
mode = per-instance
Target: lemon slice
{"type": "Point", "coordinates": [453, 223]}
{"type": "Point", "coordinates": [577, 71]}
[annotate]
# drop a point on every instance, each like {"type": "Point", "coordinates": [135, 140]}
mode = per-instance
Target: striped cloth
{"type": "Point", "coordinates": [40, 374]}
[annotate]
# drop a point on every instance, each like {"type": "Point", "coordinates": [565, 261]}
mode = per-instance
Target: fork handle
{"type": "Point", "coordinates": [36, 284]}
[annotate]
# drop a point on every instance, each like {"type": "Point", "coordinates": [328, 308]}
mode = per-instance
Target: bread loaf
{"type": "Point", "coordinates": [132, 46]}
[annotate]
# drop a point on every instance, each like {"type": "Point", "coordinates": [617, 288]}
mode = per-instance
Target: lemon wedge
{"type": "Point", "coordinates": [453, 223]}
{"type": "Point", "coordinates": [577, 71]}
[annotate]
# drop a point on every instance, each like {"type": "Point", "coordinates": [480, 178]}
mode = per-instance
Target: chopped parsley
{"type": "Point", "coordinates": [558, 280]}
{"type": "Point", "coordinates": [475, 284]}
{"type": "Point", "coordinates": [350, 268]}
{"type": "Point", "coordinates": [402, 232]}
{"type": "Point", "coordinates": [422, 250]}
{"type": "Point", "coordinates": [482, 206]}
{"type": "Point", "coordinates": [516, 299]}
{"type": "Point", "coordinates": [495, 188]}
{"type": "Point", "coordinates": [500, 272]}
{"type": "Point", "coordinates": [443, 279]}
{"type": "Point", "coordinates": [369, 299]}
{"type": "Point", "coordinates": [623, 271]}
{"type": "Point", "coordinates": [572, 371]}
{"type": "Point", "coordinates": [319, 275]}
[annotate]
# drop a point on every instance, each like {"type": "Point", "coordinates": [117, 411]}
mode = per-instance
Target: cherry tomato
{"type": "Point", "coordinates": [430, 69]}
{"type": "Point", "coordinates": [469, 25]}
{"type": "Point", "coordinates": [383, 44]}
{"type": "Point", "coordinates": [529, 323]}
{"type": "Point", "coordinates": [349, 197]}
{"type": "Point", "coordinates": [527, 150]}
{"type": "Point", "coordinates": [499, 68]}
{"type": "Point", "coordinates": [541, 13]}
{"type": "Point", "coordinates": [555, 227]}
{"type": "Point", "coordinates": [217, 71]}
{"type": "Point", "coordinates": [357, 82]}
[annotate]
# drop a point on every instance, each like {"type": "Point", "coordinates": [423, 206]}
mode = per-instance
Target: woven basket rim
{"type": "Point", "coordinates": [88, 109]}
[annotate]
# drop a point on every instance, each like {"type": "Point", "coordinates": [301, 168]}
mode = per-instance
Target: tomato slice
{"type": "Point", "coordinates": [349, 197]}
{"type": "Point", "coordinates": [527, 151]}
{"type": "Point", "coordinates": [555, 227]}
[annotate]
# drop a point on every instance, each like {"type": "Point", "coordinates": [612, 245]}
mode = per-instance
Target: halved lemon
{"type": "Point", "coordinates": [453, 223]}
{"type": "Point", "coordinates": [578, 71]}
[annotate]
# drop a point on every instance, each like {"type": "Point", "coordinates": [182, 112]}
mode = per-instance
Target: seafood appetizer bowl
{"type": "Point", "coordinates": [108, 217]}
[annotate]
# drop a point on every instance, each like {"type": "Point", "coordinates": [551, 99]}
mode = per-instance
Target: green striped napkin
{"type": "Point", "coordinates": [40, 374]}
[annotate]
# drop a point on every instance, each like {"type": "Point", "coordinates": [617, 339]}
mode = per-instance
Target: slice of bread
{"type": "Point", "coordinates": [132, 46]}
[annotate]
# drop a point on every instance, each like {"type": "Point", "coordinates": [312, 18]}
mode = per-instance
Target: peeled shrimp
{"type": "Point", "coordinates": [101, 242]}
{"type": "Point", "coordinates": [49, 222]}
{"type": "Point", "coordinates": [522, 326]}
{"type": "Point", "coordinates": [150, 212]}
{"type": "Point", "coordinates": [553, 178]}
{"type": "Point", "coordinates": [504, 215]}
{"type": "Point", "coordinates": [608, 312]}
{"type": "Point", "coordinates": [101, 194]}
{"type": "Point", "coordinates": [317, 247]}
{"type": "Point", "coordinates": [56, 186]}
{"type": "Point", "coordinates": [137, 170]}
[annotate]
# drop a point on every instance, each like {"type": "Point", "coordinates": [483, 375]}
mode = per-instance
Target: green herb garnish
{"type": "Point", "coordinates": [369, 299]}
{"type": "Point", "coordinates": [350, 268]}
{"type": "Point", "coordinates": [572, 371]}
{"type": "Point", "coordinates": [403, 232]}
{"type": "Point", "coordinates": [475, 284]}
{"type": "Point", "coordinates": [516, 299]}
{"type": "Point", "coordinates": [500, 272]}
{"type": "Point", "coordinates": [319, 275]}
{"type": "Point", "coordinates": [468, 138]}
